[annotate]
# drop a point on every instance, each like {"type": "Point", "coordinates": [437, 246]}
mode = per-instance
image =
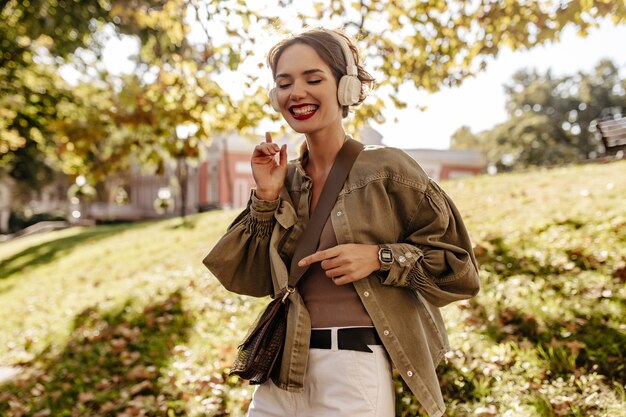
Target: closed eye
{"type": "Point", "coordinates": [287, 85]}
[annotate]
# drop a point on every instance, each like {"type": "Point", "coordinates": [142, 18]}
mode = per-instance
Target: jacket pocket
{"type": "Point", "coordinates": [286, 218]}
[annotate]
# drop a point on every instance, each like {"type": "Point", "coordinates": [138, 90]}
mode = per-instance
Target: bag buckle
{"type": "Point", "coordinates": [288, 291]}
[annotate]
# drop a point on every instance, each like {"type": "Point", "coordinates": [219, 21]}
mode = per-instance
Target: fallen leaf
{"type": "Point", "coordinates": [575, 346]}
{"type": "Point", "coordinates": [85, 397]}
{"type": "Point", "coordinates": [103, 385]}
{"type": "Point", "coordinates": [141, 372]}
{"type": "Point", "coordinates": [107, 406]}
{"type": "Point", "coordinates": [142, 386]}
{"type": "Point", "coordinates": [118, 345]}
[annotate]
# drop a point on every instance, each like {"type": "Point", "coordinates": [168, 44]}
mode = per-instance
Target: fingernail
{"type": "Point", "coordinates": [300, 263]}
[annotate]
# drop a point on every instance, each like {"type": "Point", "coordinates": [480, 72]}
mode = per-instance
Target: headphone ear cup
{"type": "Point", "coordinates": [349, 90]}
{"type": "Point", "coordinates": [274, 99]}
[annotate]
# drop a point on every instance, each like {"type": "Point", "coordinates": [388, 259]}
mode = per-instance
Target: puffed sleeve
{"type": "Point", "coordinates": [240, 259]}
{"type": "Point", "coordinates": [436, 258]}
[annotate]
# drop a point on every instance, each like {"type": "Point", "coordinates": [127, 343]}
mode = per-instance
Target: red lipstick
{"type": "Point", "coordinates": [303, 116]}
{"type": "Point", "coordinates": [305, 111]}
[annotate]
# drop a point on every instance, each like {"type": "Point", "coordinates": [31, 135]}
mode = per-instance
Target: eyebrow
{"type": "Point", "coordinates": [307, 72]}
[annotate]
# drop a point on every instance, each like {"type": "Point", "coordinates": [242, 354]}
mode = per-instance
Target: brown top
{"type": "Point", "coordinates": [330, 305]}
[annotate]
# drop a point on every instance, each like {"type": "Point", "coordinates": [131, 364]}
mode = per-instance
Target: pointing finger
{"type": "Point", "coordinates": [268, 140]}
{"type": "Point", "coordinates": [316, 257]}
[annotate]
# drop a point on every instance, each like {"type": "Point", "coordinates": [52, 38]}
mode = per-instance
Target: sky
{"type": "Point", "coordinates": [478, 103]}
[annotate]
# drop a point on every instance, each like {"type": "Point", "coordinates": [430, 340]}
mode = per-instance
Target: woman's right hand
{"type": "Point", "coordinates": [269, 174]}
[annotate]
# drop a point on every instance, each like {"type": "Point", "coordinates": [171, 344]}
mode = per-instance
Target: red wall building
{"type": "Point", "coordinates": [225, 178]}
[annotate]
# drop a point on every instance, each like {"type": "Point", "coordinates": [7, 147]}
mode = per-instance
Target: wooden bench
{"type": "Point", "coordinates": [613, 133]}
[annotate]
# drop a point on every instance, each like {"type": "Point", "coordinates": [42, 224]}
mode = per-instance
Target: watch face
{"type": "Point", "coordinates": [386, 255]}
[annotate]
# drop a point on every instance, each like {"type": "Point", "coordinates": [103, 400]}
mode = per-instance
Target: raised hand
{"type": "Point", "coordinates": [269, 174]}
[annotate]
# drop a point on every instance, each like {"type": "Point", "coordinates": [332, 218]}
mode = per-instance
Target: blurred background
{"type": "Point", "coordinates": [132, 110]}
{"type": "Point", "coordinates": [125, 134]}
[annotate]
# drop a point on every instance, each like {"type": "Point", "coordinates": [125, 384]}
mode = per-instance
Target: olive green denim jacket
{"type": "Point", "coordinates": [386, 199]}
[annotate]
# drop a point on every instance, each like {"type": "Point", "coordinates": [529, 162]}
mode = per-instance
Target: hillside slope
{"type": "Point", "coordinates": [121, 320]}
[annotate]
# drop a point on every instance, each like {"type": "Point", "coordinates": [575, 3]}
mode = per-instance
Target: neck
{"type": "Point", "coordinates": [323, 148]}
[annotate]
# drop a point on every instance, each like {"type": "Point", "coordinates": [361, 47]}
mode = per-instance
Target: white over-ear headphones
{"type": "Point", "coordinates": [349, 89]}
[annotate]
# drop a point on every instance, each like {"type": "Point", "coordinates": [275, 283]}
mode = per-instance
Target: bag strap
{"type": "Point", "coordinates": [309, 240]}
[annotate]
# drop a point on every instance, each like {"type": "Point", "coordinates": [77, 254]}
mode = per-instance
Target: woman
{"type": "Point", "coordinates": [393, 249]}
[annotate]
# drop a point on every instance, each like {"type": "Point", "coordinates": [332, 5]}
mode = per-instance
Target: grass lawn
{"type": "Point", "coordinates": [124, 320]}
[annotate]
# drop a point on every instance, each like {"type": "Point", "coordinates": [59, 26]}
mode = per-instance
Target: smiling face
{"type": "Point", "coordinates": [306, 90]}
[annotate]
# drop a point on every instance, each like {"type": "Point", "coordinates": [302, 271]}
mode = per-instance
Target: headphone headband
{"type": "Point", "coordinates": [347, 52]}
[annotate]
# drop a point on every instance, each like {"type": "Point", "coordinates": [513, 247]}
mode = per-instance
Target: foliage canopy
{"type": "Point", "coordinates": [552, 120]}
{"type": "Point", "coordinates": [92, 128]}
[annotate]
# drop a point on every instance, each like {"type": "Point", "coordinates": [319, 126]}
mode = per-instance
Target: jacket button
{"type": "Point", "coordinates": [410, 373]}
{"type": "Point", "coordinates": [339, 213]}
{"type": "Point", "coordinates": [366, 293]}
{"type": "Point", "coordinates": [386, 332]}
{"type": "Point", "coordinates": [401, 258]}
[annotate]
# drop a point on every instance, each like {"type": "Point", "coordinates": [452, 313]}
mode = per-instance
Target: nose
{"type": "Point", "coordinates": [298, 90]}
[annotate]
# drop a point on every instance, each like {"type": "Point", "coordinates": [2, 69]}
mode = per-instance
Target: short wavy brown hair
{"type": "Point", "coordinates": [331, 52]}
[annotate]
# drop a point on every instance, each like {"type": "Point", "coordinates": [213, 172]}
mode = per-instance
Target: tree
{"type": "Point", "coordinates": [528, 140]}
{"type": "Point", "coordinates": [32, 34]}
{"type": "Point", "coordinates": [463, 138]}
{"type": "Point", "coordinates": [435, 43]}
{"type": "Point", "coordinates": [571, 103]}
{"type": "Point", "coordinates": [92, 128]}
{"type": "Point", "coordinates": [552, 120]}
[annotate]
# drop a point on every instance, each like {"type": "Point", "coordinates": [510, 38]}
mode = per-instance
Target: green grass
{"type": "Point", "coordinates": [124, 319]}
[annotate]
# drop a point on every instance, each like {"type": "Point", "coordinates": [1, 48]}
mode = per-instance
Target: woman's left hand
{"type": "Point", "coordinates": [346, 263]}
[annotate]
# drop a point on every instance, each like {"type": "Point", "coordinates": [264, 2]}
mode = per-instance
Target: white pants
{"type": "Point", "coordinates": [338, 383]}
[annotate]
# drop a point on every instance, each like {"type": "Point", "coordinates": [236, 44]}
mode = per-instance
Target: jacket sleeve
{"type": "Point", "coordinates": [240, 259]}
{"type": "Point", "coordinates": [436, 258]}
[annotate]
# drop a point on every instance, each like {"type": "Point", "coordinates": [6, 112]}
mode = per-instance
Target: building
{"type": "Point", "coordinates": [448, 164]}
{"type": "Point", "coordinates": [439, 164]}
{"type": "Point", "coordinates": [225, 176]}
{"type": "Point", "coordinates": [222, 179]}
